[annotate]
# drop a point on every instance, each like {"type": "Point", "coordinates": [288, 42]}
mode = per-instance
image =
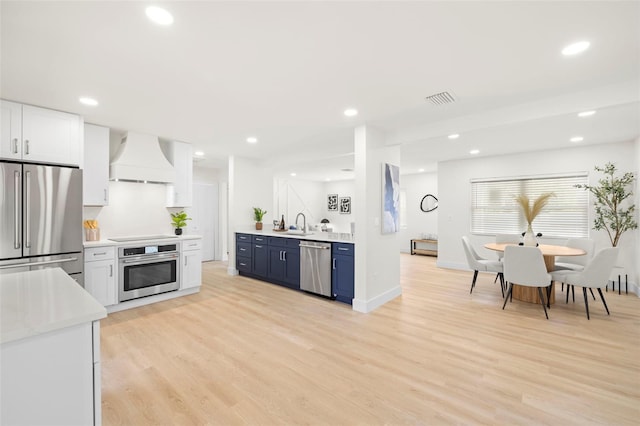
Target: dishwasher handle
{"type": "Point", "coordinates": [316, 247]}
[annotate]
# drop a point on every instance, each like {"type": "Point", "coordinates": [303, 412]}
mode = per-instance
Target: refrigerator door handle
{"type": "Point", "coordinates": [16, 210]}
{"type": "Point", "coordinates": [27, 206]}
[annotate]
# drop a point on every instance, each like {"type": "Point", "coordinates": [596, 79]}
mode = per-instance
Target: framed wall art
{"type": "Point", "coordinates": [390, 198]}
{"type": "Point", "coordinates": [345, 205]}
{"type": "Point", "coordinates": [332, 202]}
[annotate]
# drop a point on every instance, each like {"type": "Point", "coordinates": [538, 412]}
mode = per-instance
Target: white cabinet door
{"type": "Point", "coordinates": [100, 281]}
{"type": "Point", "coordinates": [11, 131]}
{"type": "Point", "coordinates": [180, 193]}
{"type": "Point", "coordinates": [51, 136]}
{"type": "Point", "coordinates": [191, 256]}
{"type": "Point", "coordinates": [95, 182]}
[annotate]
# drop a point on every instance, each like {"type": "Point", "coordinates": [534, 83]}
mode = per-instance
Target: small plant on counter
{"type": "Point", "coordinates": [258, 214]}
{"type": "Point", "coordinates": [179, 221]}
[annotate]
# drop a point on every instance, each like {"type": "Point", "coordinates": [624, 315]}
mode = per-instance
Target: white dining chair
{"type": "Point", "coordinates": [525, 266]}
{"type": "Point", "coordinates": [594, 275]}
{"type": "Point", "coordinates": [506, 239]}
{"type": "Point", "coordinates": [480, 264]}
{"type": "Point", "coordinates": [575, 263]}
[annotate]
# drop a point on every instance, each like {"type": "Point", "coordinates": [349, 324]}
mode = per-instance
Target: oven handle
{"type": "Point", "coordinates": [154, 259]}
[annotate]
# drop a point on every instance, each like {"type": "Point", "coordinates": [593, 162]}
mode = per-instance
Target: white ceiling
{"type": "Point", "coordinates": [285, 71]}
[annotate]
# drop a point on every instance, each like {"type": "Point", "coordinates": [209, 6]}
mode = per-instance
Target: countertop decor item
{"type": "Point", "coordinates": [609, 195]}
{"type": "Point", "coordinates": [91, 230]}
{"type": "Point", "coordinates": [258, 214]}
{"type": "Point", "coordinates": [179, 220]}
{"type": "Point", "coordinates": [530, 213]}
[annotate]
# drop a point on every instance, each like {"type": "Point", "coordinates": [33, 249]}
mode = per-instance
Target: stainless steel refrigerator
{"type": "Point", "coordinates": [40, 218]}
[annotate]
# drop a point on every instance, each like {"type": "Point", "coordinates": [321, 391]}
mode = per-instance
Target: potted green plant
{"type": "Point", "coordinates": [609, 195]}
{"type": "Point", "coordinates": [258, 214]}
{"type": "Point", "coordinates": [179, 221]}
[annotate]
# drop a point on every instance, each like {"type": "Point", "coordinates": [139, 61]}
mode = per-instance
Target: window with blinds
{"type": "Point", "coordinates": [495, 211]}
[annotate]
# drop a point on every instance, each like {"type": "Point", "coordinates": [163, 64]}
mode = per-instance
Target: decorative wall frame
{"type": "Point", "coordinates": [345, 205]}
{"type": "Point", "coordinates": [390, 198]}
{"type": "Point", "coordinates": [332, 202]}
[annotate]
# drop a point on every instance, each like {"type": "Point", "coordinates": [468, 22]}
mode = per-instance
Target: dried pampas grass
{"type": "Point", "coordinates": [530, 212]}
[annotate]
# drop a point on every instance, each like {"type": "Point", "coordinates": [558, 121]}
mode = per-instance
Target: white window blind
{"type": "Point", "coordinates": [495, 211]}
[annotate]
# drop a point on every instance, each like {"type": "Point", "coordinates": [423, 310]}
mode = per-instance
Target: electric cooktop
{"type": "Point", "coordinates": [142, 238]}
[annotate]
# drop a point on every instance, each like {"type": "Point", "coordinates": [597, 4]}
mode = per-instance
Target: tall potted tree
{"type": "Point", "coordinates": [609, 201]}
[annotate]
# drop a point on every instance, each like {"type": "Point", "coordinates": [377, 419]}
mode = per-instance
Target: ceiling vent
{"type": "Point", "coordinates": [441, 98]}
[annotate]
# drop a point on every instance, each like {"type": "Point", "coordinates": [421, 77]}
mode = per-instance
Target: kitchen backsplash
{"type": "Point", "coordinates": [134, 209]}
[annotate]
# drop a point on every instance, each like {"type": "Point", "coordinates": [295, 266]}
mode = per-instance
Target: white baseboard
{"type": "Point", "coordinates": [366, 306]}
{"type": "Point", "coordinates": [232, 271]}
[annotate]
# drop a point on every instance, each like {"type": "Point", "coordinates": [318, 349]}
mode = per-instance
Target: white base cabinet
{"type": "Point", "coordinates": [40, 135]}
{"type": "Point", "coordinates": [49, 379]}
{"type": "Point", "coordinates": [100, 274]}
{"type": "Point", "coordinates": [191, 264]}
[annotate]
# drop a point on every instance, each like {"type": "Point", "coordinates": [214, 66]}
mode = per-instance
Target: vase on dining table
{"type": "Point", "coordinates": [529, 238]}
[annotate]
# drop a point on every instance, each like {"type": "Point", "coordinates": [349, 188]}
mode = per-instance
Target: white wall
{"type": "Point", "coordinates": [249, 186]}
{"type": "Point", "coordinates": [293, 196]}
{"type": "Point", "coordinates": [340, 222]}
{"type": "Point", "coordinates": [637, 192]}
{"type": "Point", "coordinates": [377, 255]}
{"type": "Point", "coordinates": [418, 223]}
{"type": "Point", "coordinates": [134, 209]}
{"type": "Point", "coordinates": [454, 190]}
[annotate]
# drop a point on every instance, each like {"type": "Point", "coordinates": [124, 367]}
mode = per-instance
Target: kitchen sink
{"type": "Point", "coordinates": [298, 232]}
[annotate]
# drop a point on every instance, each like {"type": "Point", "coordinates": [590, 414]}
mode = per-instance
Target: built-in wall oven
{"type": "Point", "coordinates": [147, 270]}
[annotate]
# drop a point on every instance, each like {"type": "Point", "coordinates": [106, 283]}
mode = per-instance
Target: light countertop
{"type": "Point", "coordinates": [107, 242]}
{"type": "Point", "coordinates": [37, 302]}
{"type": "Point", "coordinates": [332, 237]}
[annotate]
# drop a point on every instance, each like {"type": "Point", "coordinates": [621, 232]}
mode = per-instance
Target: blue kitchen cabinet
{"type": "Point", "coordinates": [243, 253]}
{"type": "Point", "coordinates": [260, 252]}
{"type": "Point", "coordinates": [342, 272]}
{"type": "Point", "coordinates": [284, 261]}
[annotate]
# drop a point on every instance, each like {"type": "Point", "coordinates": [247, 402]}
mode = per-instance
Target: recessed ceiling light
{"type": "Point", "coordinates": [327, 179]}
{"type": "Point", "coordinates": [252, 140]}
{"type": "Point", "coordinates": [293, 174]}
{"type": "Point", "coordinates": [586, 113]}
{"type": "Point", "coordinates": [199, 153]}
{"type": "Point", "coordinates": [577, 139]}
{"type": "Point", "coordinates": [575, 48]}
{"type": "Point", "coordinates": [474, 151]}
{"type": "Point", "coordinates": [159, 15]}
{"type": "Point", "coordinates": [350, 112]}
{"type": "Point", "coordinates": [421, 170]}
{"type": "Point", "coordinates": [454, 136]}
{"type": "Point", "coordinates": [88, 101]}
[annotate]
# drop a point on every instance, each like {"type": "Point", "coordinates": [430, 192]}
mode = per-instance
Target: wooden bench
{"type": "Point", "coordinates": [427, 252]}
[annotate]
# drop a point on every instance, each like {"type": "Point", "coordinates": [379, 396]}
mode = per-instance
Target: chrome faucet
{"type": "Point", "coordinates": [304, 222]}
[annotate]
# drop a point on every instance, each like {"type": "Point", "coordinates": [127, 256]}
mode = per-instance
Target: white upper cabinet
{"type": "Point", "coordinates": [95, 183]}
{"type": "Point", "coordinates": [40, 135]}
{"type": "Point", "coordinates": [11, 131]}
{"type": "Point", "coordinates": [180, 193]}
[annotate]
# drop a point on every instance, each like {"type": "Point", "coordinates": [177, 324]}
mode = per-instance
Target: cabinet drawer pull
{"type": "Point", "coordinates": [100, 254]}
{"type": "Point", "coordinates": [26, 150]}
{"type": "Point", "coordinates": [257, 246]}
{"type": "Point", "coordinates": [243, 264]}
{"type": "Point", "coordinates": [15, 145]}
{"type": "Point", "coordinates": [243, 249]}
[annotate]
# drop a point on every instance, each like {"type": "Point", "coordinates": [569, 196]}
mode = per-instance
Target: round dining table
{"type": "Point", "coordinates": [549, 253]}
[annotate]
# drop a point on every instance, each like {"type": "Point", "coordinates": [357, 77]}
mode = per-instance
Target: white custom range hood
{"type": "Point", "coordinates": [140, 159]}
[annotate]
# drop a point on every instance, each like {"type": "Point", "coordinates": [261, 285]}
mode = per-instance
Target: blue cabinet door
{"type": "Point", "coordinates": [260, 260]}
{"type": "Point", "coordinates": [292, 267]}
{"type": "Point", "coordinates": [276, 264]}
{"type": "Point", "coordinates": [342, 273]}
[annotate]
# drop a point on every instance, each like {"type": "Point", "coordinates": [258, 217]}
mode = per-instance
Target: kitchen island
{"type": "Point", "coordinates": [49, 350]}
{"type": "Point", "coordinates": [276, 257]}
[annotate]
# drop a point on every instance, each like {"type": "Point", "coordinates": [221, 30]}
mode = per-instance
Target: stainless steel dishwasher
{"type": "Point", "coordinates": [315, 267]}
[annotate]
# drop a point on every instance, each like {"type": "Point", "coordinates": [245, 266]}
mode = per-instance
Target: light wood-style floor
{"type": "Point", "coordinates": [246, 352]}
